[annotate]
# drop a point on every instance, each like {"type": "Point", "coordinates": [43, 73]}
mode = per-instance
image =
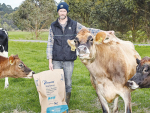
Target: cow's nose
{"type": "Point", "coordinates": [130, 83]}
{"type": "Point", "coordinates": [85, 48]}
{"type": "Point", "coordinates": [82, 49]}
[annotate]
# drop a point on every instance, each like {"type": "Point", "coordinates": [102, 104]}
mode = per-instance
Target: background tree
{"type": "Point", "coordinates": [122, 16]}
{"type": "Point", "coordinates": [143, 7]}
{"type": "Point", "coordinates": [6, 13]}
{"type": "Point", "coordinates": [130, 19]}
{"type": "Point", "coordinates": [35, 15]}
{"type": "Point", "coordinates": [80, 10]}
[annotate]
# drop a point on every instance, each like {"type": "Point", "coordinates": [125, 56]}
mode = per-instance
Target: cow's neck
{"type": "Point", "coordinates": [4, 67]}
{"type": "Point", "coordinates": [5, 73]}
{"type": "Point", "coordinates": [96, 65]}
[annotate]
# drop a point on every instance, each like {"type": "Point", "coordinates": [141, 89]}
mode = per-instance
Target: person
{"type": "Point", "coordinates": [58, 51]}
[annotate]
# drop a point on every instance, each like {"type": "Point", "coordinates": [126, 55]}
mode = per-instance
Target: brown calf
{"type": "Point", "coordinates": [111, 62]}
{"type": "Point", "coordinates": [14, 67]}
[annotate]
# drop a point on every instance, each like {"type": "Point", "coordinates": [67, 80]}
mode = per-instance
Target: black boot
{"type": "Point", "coordinates": [68, 95]}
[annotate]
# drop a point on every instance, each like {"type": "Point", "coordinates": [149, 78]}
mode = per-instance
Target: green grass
{"type": "Point", "coordinates": [26, 35]}
{"type": "Point", "coordinates": [143, 50]}
{"type": "Point", "coordinates": [22, 94]}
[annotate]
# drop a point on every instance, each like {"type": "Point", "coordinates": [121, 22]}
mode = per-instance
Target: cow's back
{"type": "Point", "coordinates": [3, 43]}
{"type": "Point", "coordinates": [130, 56]}
{"type": "Point", "coordinates": [115, 60]}
{"type": "Point", "coordinates": [4, 39]}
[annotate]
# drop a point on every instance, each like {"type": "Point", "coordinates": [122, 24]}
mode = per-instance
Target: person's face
{"type": "Point", "coordinates": [62, 13]}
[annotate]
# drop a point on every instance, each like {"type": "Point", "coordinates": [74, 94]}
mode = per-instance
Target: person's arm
{"type": "Point", "coordinates": [92, 30]}
{"type": "Point", "coordinates": [50, 64]}
{"type": "Point", "coordinates": [50, 48]}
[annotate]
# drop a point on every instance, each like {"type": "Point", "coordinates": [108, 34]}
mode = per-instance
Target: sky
{"type": "Point", "coordinates": [16, 3]}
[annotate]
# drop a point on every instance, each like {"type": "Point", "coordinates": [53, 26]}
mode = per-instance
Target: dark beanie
{"type": "Point", "coordinates": [63, 5]}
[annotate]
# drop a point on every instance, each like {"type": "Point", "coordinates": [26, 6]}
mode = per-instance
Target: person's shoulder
{"type": "Point", "coordinates": [69, 19]}
{"type": "Point", "coordinates": [53, 23]}
{"type": "Point", "coordinates": [75, 22]}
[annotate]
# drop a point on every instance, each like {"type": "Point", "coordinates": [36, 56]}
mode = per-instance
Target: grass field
{"type": "Point", "coordinates": [22, 94]}
{"type": "Point", "coordinates": [26, 35]}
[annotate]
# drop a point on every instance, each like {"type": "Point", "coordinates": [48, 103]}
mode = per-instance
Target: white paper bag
{"type": "Point", "coordinates": [51, 88]}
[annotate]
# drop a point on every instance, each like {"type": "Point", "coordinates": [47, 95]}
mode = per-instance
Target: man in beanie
{"type": "Point", "coordinates": [58, 51]}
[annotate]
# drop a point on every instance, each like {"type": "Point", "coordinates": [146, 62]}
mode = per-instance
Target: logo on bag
{"type": "Point", "coordinates": [36, 82]}
{"type": "Point", "coordinates": [45, 82]}
{"type": "Point", "coordinates": [55, 103]}
{"type": "Point", "coordinates": [62, 77]}
{"type": "Point", "coordinates": [51, 98]}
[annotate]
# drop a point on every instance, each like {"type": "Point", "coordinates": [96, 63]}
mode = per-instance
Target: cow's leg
{"type": "Point", "coordinates": [6, 78]}
{"type": "Point", "coordinates": [115, 109]}
{"type": "Point", "coordinates": [93, 81]}
{"type": "Point", "coordinates": [6, 82]}
{"type": "Point", "coordinates": [102, 100]}
{"type": "Point", "coordinates": [127, 100]}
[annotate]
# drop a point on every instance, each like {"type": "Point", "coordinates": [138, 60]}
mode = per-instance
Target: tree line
{"type": "Point", "coordinates": [130, 19]}
{"type": "Point", "coordinates": [6, 15]}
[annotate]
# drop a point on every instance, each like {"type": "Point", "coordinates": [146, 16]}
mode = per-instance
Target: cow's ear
{"type": "Point", "coordinates": [11, 59]}
{"type": "Point", "coordinates": [16, 56]}
{"type": "Point", "coordinates": [137, 61]}
{"type": "Point", "coordinates": [71, 43]}
{"type": "Point", "coordinates": [100, 37]}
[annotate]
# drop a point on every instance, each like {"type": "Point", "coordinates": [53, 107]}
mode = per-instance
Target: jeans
{"type": "Point", "coordinates": [67, 67]}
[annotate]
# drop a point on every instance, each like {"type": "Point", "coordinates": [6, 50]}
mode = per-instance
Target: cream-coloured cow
{"type": "Point", "coordinates": [111, 63]}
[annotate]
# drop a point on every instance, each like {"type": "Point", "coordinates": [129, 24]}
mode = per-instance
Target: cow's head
{"type": "Point", "coordinates": [85, 43]}
{"type": "Point", "coordinates": [142, 77]}
{"type": "Point", "coordinates": [18, 69]}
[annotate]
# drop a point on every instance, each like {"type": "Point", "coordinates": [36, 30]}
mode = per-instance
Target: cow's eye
{"type": "Point", "coordinates": [106, 38]}
{"type": "Point", "coordinates": [75, 41]}
{"type": "Point", "coordinates": [145, 70]}
{"type": "Point", "coordinates": [91, 39]}
{"type": "Point", "coordinates": [21, 65]}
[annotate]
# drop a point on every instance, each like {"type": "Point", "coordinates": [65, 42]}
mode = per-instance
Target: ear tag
{"type": "Point", "coordinates": [100, 40]}
{"type": "Point", "coordinates": [73, 48]}
{"type": "Point", "coordinates": [11, 62]}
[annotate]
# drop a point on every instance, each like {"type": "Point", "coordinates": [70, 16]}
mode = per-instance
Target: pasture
{"type": "Point", "coordinates": [22, 94]}
{"type": "Point", "coordinates": [18, 35]}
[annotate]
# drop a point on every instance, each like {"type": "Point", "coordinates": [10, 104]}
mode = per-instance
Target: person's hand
{"type": "Point", "coordinates": [50, 65]}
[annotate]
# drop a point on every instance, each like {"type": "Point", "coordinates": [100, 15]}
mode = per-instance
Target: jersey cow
{"type": "Point", "coordinates": [141, 79]}
{"type": "Point", "coordinates": [111, 63]}
{"type": "Point", "coordinates": [4, 48]}
{"type": "Point", "coordinates": [14, 67]}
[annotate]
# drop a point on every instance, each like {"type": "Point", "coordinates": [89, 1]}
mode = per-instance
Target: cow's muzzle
{"type": "Point", "coordinates": [30, 75]}
{"type": "Point", "coordinates": [82, 50]}
{"type": "Point", "coordinates": [132, 84]}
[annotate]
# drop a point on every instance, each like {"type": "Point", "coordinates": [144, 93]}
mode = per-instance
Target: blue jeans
{"type": "Point", "coordinates": [67, 67]}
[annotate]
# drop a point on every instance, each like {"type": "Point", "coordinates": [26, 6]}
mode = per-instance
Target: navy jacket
{"type": "Point", "coordinates": [61, 49]}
